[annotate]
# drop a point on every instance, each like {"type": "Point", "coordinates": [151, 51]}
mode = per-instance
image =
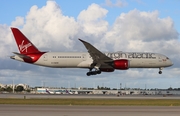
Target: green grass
{"type": "Point", "coordinates": [108, 102]}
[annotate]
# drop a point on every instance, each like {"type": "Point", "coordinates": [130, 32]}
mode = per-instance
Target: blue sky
{"type": "Point", "coordinates": [10, 9]}
{"type": "Point", "coordinates": [110, 25]}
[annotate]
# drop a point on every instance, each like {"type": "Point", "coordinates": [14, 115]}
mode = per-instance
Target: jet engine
{"type": "Point", "coordinates": [121, 64]}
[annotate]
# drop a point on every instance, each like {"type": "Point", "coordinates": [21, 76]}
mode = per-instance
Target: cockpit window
{"type": "Point", "coordinates": [167, 58]}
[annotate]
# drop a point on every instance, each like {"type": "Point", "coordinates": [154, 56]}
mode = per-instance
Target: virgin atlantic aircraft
{"type": "Point", "coordinates": [94, 60]}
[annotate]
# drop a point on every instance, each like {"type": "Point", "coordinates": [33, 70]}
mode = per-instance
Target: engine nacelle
{"type": "Point", "coordinates": [122, 64]}
{"type": "Point", "coordinates": [107, 69]}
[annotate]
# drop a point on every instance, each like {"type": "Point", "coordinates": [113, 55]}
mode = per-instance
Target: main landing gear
{"type": "Point", "coordinates": [160, 70]}
{"type": "Point", "coordinates": [93, 72]}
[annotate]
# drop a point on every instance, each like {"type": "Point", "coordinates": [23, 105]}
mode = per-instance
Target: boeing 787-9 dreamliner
{"type": "Point", "coordinates": [94, 60]}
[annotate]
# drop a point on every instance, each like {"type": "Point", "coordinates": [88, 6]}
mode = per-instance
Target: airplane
{"type": "Point", "coordinates": [94, 60]}
{"type": "Point", "coordinates": [64, 91]}
{"type": "Point", "coordinates": [49, 92]}
{"type": "Point", "coordinates": [69, 92]}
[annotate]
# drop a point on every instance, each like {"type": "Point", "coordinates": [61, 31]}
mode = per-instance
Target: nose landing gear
{"type": "Point", "coordinates": [160, 70]}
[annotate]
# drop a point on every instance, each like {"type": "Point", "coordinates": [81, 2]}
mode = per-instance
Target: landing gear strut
{"type": "Point", "coordinates": [96, 70]}
{"type": "Point", "coordinates": [160, 70]}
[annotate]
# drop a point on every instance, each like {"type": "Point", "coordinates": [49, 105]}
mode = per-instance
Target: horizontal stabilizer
{"type": "Point", "coordinates": [22, 56]}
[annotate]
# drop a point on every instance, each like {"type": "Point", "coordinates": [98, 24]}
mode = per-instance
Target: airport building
{"type": "Point", "coordinates": [108, 92]}
{"type": "Point", "coordinates": [81, 90]}
{"type": "Point", "coordinates": [23, 87]}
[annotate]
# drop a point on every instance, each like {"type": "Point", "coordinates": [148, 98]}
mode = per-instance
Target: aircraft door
{"type": "Point", "coordinates": [84, 57]}
{"type": "Point", "coordinates": [45, 57]}
{"type": "Point", "coordinates": [160, 59]}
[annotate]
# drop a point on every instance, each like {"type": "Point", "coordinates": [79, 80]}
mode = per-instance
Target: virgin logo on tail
{"type": "Point", "coordinates": [22, 47]}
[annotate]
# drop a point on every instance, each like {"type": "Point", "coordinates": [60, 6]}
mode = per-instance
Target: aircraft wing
{"type": "Point", "coordinates": [97, 56]}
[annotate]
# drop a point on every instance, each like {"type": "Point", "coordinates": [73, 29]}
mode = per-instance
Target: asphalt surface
{"type": "Point", "coordinates": [91, 96]}
{"type": "Point", "coordinates": [58, 110]}
{"type": "Point", "coordinates": [43, 110]}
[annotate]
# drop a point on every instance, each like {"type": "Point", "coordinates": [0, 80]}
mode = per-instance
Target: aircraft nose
{"type": "Point", "coordinates": [170, 63]}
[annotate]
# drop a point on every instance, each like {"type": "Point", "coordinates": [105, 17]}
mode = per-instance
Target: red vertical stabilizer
{"type": "Point", "coordinates": [24, 45]}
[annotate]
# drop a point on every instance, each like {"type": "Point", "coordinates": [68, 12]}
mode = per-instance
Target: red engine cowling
{"type": "Point", "coordinates": [122, 64]}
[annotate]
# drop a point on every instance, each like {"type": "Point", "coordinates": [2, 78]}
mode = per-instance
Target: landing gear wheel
{"type": "Point", "coordinates": [160, 72]}
{"type": "Point", "coordinates": [88, 73]}
{"type": "Point", "coordinates": [93, 72]}
{"type": "Point", "coordinates": [98, 72]}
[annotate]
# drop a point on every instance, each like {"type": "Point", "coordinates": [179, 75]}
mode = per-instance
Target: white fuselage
{"type": "Point", "coordinates": [84, 60]}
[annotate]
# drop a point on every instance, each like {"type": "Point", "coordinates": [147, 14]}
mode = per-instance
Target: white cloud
{"type": "Point", "coordinates": [119, 3]}
{"type": "Point", "coordinates": [50, 29]}
{"type": "Point", "coordinates": [135, 29]}
{"type": "Point", "coordinates": [6, 41]}
{"type": "Point", "coordinates": [92, 20]}
{"type": "Point", "coordinates": [18, 22]}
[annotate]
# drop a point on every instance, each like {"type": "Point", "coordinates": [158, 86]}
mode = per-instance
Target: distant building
{"type": "Point", "coordinates": [1, 85]}
{"type": "Point", "coordinates": [25, 86]}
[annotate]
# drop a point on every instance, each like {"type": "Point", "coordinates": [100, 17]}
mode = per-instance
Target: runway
{"type": "Point", "coordinates": [89, 96]}
{"type": "Point", "coordinates": [70, 110]}
{"type": "Point", "coordinates": [41, 110]}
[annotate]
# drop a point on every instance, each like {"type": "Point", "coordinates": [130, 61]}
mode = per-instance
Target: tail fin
{"type": "Point", "coordinates": [24, 45]}
{"type": "Point", "coordinates": [48, 91]}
